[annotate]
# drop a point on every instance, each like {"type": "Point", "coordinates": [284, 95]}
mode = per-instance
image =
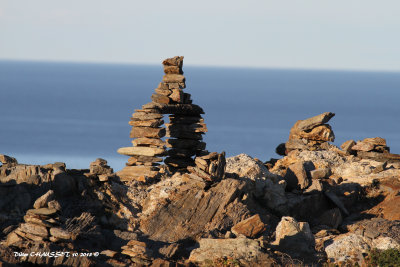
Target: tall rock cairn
{"type": "Point", "coordinates": [186, 126]}
{"type": "Point", "coordinates": [184, 131]}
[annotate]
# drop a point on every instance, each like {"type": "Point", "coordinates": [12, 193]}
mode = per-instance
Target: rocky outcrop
{"type": "Point", "coordinates": [318, 203]}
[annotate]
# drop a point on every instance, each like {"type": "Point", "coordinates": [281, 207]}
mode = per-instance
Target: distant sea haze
{"type": "Point", "coordinates": [75, 113]}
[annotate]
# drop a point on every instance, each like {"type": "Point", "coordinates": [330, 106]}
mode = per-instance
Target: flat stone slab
{"type": "Point", "coordinates": [141, 151]}
{"type": "Point", "coordinates": [42, 211]}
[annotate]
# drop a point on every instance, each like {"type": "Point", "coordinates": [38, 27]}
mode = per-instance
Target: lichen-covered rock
{"type": "Point", "coordinates": [346, 247]}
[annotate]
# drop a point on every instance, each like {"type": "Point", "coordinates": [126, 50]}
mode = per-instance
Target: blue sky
{"type": "Point", "coordinates": [340, 34]}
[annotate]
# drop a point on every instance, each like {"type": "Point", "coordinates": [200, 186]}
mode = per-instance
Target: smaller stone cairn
{"type": "Point", "coordinates": [40, 223]}
{"type": "Point", "coordinates": [309, 134]}
{"type": "Point", "coordinates": [100, 170]}
{"type": "Point", "coordinates": [210, 167]}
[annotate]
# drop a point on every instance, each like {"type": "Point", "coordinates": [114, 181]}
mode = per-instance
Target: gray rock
{"type": "Point", "coordinates": [345, 247]}
{"type": "Point", "coordinates": [320, 173]}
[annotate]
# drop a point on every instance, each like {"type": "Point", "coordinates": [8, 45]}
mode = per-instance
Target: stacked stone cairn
{"type": "Point", "coordinates": [210, 167]}
{"type": "Point", "coordinates": [184, 130]}
{"type": "Point", "coordinates": [40, 223]}
{"type": "Point", "coordinates": [309, 134]}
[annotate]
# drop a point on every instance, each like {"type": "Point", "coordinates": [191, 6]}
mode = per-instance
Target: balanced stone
{"type": "Point", "coordinates": [148, 142]}
{"type": "Point", "coordinates": [173, 78]}
{"type": "Point", "coordinates": [185, 119]}
{"type": "Point", "coordinates": [185, 143]}
{"type": "Point", "coordinates": [165, 92]}
{"type": "Point", "coordinates": [142, 116]}
{"type": "Point", "coordinates": [162, 99]}
{"type": "Point", "coordinates": [173, 70]}
{"type": "Point", "coordinates": [174, 61]}
{"type": "Point", "coordinates": [180, 85]}
{"type": "Point", "coordinates": [148, 123]}
{"type": "Point", "coordinates": [149, 132]}
{"type": "Point", "coordinates": [141, 151]}
{"type": "Point", "coordinates": [138, 159]}
{"type": "Point", "coordinates": [195, 127]}
{"type": "Point", "coordinates": [184, 135]}
{"type": "Point", "coordinates": [179, 152]}
{"type": "Point", "coordinates": [177, 95]}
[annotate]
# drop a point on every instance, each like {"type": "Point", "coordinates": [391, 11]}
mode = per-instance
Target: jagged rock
{"type": "Point", "coordinates": [42, 201]}
{"type": "Point", "coordinates": [141, 151]}
{"type": "Point", "coordinates": [251, 227]}
{"type": "Point", "coordinates": [7, 160]}
{"type": "Point", "coordinates": [12, 239]}
{"type": "Point", "coordinates": [296, 176]}
{"type": "Point", "coordinates": [237, 248]}
{"type": "Point", "coordinates": [347, 146]}
{"type": "Point", "coordinates": [191, 209]}
{"type": "Point", "coordinates": [60, 233]}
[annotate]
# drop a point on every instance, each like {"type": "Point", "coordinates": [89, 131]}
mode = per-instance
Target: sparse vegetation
{"type": "Point", "coordinates": [384, 258]}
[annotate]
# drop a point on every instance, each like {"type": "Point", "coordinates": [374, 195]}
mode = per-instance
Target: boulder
{"type": "Point", "coordinates": [251, 227]}
{"type": "Point", "coordinates": [294, 238]}
{"type": "Point", "coordinates": [346, 247]}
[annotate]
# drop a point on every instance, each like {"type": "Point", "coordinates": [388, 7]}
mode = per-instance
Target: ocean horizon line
{"type": "Point", "coordinates": [270, 68]}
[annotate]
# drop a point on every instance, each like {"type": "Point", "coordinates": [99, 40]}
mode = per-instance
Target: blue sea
{"type": "Point", "coordinates": [75, 113]}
